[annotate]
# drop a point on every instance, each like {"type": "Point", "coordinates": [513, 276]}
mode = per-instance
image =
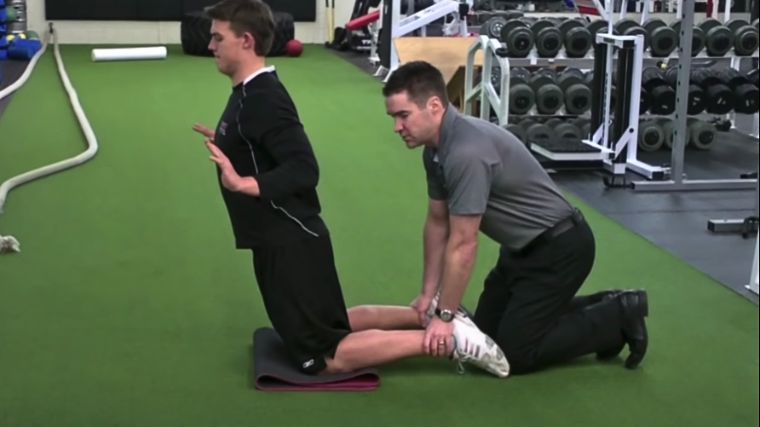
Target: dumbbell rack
{"type": "Point", "coordinates": [484, 91]}
{"type": "Point", "coordinates": [677, 181]}
{"type": "Point", "coordinates": [735, 62]}
{"type": "Point", "coordinates": [487, 98]}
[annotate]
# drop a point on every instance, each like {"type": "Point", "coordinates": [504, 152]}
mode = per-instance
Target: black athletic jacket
{"type": "Point", "coordinates": [263, 137]}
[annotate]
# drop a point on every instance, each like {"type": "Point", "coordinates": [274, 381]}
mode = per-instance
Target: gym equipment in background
{"type": "Point", "coordinates": [697, 37]}
{"type": "Point", "coordinates": [522, 98]}
{"type": "Point", "coordinates": [661, 38]}
{"type": "Point", "coordinates": [576, 38]}
{"type": "Point", "coordinates": [662, 97]}
{"type": "Point", "coordinates": [719, 98]}
{"type": "Point", "coordinates": [746, 37]}
{"type": "Point", "coordinates": [518, 38]}
{"type": "Point", "coordinates": [718, 38]}
{"type": "Point", "coordinates": [549, 96]}
{"type": "Point", "coordinates": [546, 36]}
{"type": "Point", "coordinates": [697, 99]}
{"type": "Point", "coordinates": [576, 92]}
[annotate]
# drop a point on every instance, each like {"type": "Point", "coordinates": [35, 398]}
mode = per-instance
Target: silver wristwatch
{"type": "Point", "coordinates": [446, 315]}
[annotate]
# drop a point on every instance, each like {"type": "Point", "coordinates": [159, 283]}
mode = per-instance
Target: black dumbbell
{"type": "Point", "coordinates": [661, 39]}
{"type": "Point", "coordinates": [492, 27]}
{"type": "Point", "coordinates": [584, 124]}
{"type": "Point", "coordinates": [568, 132]}
{"type": "Point", "coordinates": [547, 38]}
{"type": "Point", "coordinates": [746, 37]}
{"type": "Point", "coordinates": [628, 27]}
{"type": "Point", "coordinates": [644, 101]}
{"type": "Point", "coordinates": [521, 95]}
{"type": "Point", "coordinates": [565, 133]}
{"type": "Point", "coordinates": [517, 37]}
{"type": "Point", "coordinates": [549, 97]}
{"type": "Point", "coordinates": [718, 38]}
{"type": "Point", "coordinates": [662, 97]}
{"type": "Point", "coordinates": [667, 126]}
{"type": "Point", "coordinates": [753, 75]}
{"type": "Point", "coordinates": [575, 90]}
{"type": "Point", "coordinates": [696, 93]}
{"type": "Point", "coordinates": [697, 37]}
{"type": "Point", "coordinates": [598, 26]}
{"type": "Point", "coordinates": [496, 78]}
{"type": "Point", "coordinates": [651, 135]}
{"type": "Point", "coordinates": [745, 93]}
{"type": "Point", "coordinates": [589, 80]}
{"type": "Point", "coordinates": [701, 134]}
{"type": "Point", "coordinates": [576, 38]}
{"type": "Point", "coordinates": [516, 130]}
{"type": "Point", "coordinates": [537, 132]}
{"type": "Point", "coordinates": [644, 97]}
{"type": "Point", "coordinates": [719, 98]}
{"type": "Point", "coordinates": [553, 122]}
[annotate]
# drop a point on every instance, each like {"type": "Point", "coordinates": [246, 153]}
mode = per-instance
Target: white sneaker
{"type": "Point", "coordinates": [473, 346]}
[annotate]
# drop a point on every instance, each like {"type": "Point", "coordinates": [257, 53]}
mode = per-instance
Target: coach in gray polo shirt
{"type": "Point", "coordinates": [480, 177]}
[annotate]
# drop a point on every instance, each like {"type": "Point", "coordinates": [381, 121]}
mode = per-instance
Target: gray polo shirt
{"type": "Point", "coordinates": [480, 168]}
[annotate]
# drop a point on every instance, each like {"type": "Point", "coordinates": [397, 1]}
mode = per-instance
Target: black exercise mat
{"type": "Point", "coordinates": [274, 371]}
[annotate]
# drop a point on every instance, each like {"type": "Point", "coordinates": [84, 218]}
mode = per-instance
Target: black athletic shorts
{"type": "Point", "coordinates": [303, 298]}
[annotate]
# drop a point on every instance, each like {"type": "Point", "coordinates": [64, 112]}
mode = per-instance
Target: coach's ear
{"type": "Point", "coordinates": [435, 105]}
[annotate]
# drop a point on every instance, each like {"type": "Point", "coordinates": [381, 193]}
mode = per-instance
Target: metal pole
{"type": "Point", "coordinates": [682, 91]}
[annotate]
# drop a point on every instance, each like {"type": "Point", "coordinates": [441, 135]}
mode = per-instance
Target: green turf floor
{"type": "Point", "coordinates": [129, 306]}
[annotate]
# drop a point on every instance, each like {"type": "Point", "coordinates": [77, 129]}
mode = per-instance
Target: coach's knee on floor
{"type": "Point", "coordinates": [522, 359]}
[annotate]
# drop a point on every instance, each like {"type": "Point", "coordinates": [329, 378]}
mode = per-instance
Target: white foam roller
{"type": "Point", "coordinates": [129, 54]}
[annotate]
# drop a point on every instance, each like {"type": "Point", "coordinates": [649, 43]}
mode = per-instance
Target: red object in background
{"type": "Point", "coordinates": [294, 48]}
{"type": "Point", "coordinates": [708, 12]}
{"type": "Point", "coordinates": [363, 21]}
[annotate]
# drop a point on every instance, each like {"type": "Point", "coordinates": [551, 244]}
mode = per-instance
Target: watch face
{"type": "Point", "coordinates": [446, 315]}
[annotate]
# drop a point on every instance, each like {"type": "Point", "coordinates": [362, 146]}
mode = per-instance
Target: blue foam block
{"type": "Point", "coordinates": [24, 49]}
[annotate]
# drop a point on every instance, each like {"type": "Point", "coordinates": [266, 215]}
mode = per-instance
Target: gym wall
{"type": "Point", "coordinates": [161, 31]}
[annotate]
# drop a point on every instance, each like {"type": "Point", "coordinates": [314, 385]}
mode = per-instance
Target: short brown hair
{"type": "Point", "coordinates": [247, 16]}
{"type": "Point", "coordinates": [420, 80]}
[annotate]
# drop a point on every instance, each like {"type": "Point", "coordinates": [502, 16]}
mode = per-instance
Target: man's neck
{"type": "Point", "coordinates": [436, 140]}
{"type": "Point", "coordinates": [247, 69]}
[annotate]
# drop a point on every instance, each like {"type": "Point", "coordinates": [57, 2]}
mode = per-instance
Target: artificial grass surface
{"type": "Point", "coordinates": [129, 305]}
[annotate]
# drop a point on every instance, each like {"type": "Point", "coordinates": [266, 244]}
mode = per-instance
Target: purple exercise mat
{"type": "Point", "coordinates": [274, 370]}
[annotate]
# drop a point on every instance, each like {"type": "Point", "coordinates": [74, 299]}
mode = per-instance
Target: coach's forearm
{"type": "Point", "coordinates": [436, 234]}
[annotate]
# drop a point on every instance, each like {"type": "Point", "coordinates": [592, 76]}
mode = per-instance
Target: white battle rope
{"type": "Point", "coordinates": [7, 242]}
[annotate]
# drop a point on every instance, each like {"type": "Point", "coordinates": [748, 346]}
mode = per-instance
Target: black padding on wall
{"type": "Point", "coordinates": [90, 9]}
{"type": "Point", "coordinates": [158, 10]}
{"type": "Point", "coordinates": [152, 10]}
{"type": "Point", "coordinates": [302, 10]}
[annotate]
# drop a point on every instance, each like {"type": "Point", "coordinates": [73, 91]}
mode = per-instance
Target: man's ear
{"type": "Point", "coordinates": [435, 105]}
{"type": "Point", "coordinates": [249, 42]}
